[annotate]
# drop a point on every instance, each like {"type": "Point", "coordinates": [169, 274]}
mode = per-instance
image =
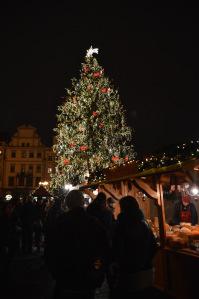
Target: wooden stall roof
{"type": "Point", "coordinates": [130, 172]}
{"type": "Point", "coordinates": [41, 192]}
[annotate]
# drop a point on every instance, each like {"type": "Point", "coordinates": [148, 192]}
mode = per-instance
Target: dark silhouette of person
{"type": "Point", "coordinates": [185, 211]}
{"type": "Point", "coordinates": [98, 208]}
{"type": "Point", "coordinates": [134, 247]}
{"type": "Point", "coordinates": [38, 224]}
{"type": "Point", "coordinates": [110, 203]}
{"type": "Point", "coordinates": [28, 216]}
{"type": "Point", "coordinates": [9, 239]}
{"type": "Point", "coordinates": [52, 215]}
{"type": "Point", "coordinates": [76, 253]}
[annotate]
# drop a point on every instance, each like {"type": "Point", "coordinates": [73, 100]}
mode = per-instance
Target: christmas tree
{"type": "Point", "coordinates": [91, 132]}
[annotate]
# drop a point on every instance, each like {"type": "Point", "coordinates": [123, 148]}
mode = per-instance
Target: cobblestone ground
{"type": "Point", "coordinates": [103, 292]}
{"type": "Point", "coordinates": [27, 278]}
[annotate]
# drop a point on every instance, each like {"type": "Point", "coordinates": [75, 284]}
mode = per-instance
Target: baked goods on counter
{"type": "Point", "coordinates": [182, 236]}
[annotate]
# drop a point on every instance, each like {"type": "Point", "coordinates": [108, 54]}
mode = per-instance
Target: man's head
{"type": "Point", "coordinates": [101, 199]}
{"type": "Point", "coordinates": [128, 203]}
{"type": "Point", "coordinates": [75, 199]}
{"type": "Point", "coordinates": [185, 200]}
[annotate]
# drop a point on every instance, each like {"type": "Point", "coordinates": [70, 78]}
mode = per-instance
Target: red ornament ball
{"type": "Point", "coordinates": [66, 161]}
{"type": "Point", "coordinates": [83, 148]}
{"type": "Point", "coordinates": [95, 113]}
{"type": "Point", "coordinates": [115, 158]}
{"type": "Point", "coordinates": [96, 74]}
{"type": "Point", "coordinates": [101, 125]}
{"type": "Point", "coordinates": [72, 145]}
{"type": "Point", "coordinates": [86, 69]}
{"type": "Point", "coordinates": [104, 90]}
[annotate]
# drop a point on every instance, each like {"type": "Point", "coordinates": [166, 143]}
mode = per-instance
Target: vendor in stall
{"type": "Point", "coordinates": [185, 211]}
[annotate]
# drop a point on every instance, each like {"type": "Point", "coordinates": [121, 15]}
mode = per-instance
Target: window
{"type": "Point", "coordinates": [38, 168]}
{"type": "Point", "coordinates": [31, 155]}
{"type": "Point", "coordinates": [30, 168]}
{"type": "Point", "coordinates": [12, 168]}
{"type": "Point", "coordinates": [29, 181]}
{"type": "Point", "coordinates": [13, 154]}
{"type": "Point", "coordinates": [38, 155]}
{"type": "Point", "coordinates": [23, 167]}
{"type": "Point", "coordinates": [21, 180]}
{"type": "Point", "coordinates": [23, 154]}
{"type": "Point", "coordinates": [11, 181]}
{"type": "Point", "coordinates": [50, 158]}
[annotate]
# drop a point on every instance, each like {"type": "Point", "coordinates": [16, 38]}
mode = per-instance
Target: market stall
{"type": "Point", "coordinates": [157, 191]}
{"type": "Point", "coordinates": [41, 193]}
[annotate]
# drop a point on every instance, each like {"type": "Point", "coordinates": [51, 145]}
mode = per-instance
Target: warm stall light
{"type": "Point", "coordinates": [8, 197]}
{"type": "Point", "coordinates": [194, 190]}
{"type": "Point", "coordinates": [95, 192]}
{"type": "Point", "coordinates": [45, 183]}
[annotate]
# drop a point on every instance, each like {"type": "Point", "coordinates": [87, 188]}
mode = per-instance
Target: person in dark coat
{"type": "Point", "coordinates": [185, 211]}
{"type": "Point", "coordinates": [98, 209]}
{"type": "Point", "coordinates": [51, 217]}
{"type": "Point", "coordinates": [28, 216]}
{"type": "Point", "coordinates": [77, 252]}
{"type": "Point", "coordinates": [134, 247]}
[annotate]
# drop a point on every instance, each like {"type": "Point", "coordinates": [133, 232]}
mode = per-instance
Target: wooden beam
{"type": "Point", "coordinates": [109, 192]}
{"type": "Point", "coordinates": [89, 192]}
{"type": "Point", "coordinates": [145, 188]}
{"type": "Point", "coordinates": [161, 213]}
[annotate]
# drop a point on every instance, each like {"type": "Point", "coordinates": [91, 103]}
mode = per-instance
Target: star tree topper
{"type": "Point", "coordinates": [91, 51]}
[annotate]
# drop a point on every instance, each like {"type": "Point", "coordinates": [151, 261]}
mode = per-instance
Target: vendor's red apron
{"type": "Point", "coordinates": [185, 216]}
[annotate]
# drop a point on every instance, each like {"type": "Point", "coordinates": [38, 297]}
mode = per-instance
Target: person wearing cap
{"type": "Point", "coordinates": [185, 211]}
{"type": "Point", "coordinates": [77, 252]}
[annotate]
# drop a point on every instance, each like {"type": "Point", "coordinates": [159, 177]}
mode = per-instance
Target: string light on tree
{"type": "Point", "coordinates": [91, 130]}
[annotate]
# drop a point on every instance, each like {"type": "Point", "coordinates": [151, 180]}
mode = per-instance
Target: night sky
{"type": "Point", "coordinates": [151, 55]}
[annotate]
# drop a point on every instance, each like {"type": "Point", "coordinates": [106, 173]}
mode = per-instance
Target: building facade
{"type": "Point", "coordinates": [24, 162]}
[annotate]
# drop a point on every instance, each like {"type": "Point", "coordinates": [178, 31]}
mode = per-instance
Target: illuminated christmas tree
{"type": "Point", "coordinates": [91, 132]}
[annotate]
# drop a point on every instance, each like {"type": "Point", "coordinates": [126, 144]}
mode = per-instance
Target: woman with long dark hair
{"type": "Point", "coordinates": [134, 247]}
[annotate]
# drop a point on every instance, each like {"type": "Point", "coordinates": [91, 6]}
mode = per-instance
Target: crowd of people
{"type": "Point", "coordinates": [83, 246]}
